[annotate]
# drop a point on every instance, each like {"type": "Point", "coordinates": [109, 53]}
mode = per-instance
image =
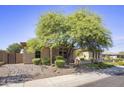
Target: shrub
{"type": "Point", "coordinates": [78, 52]}
{"type": "Point", "coordinates": [46, 61]}
{"type": "Point", "coordinates": [102, 65]}
{"type": "Point", "coordinates": [59, 58]}
{"type": "Point", "coordinates": [53, 65]}
{"type": "Point", "coordinates": [118, 59]}
{"type": "Point", "coordinates": [2, 63]}
{"type": "Point", "coordinates": [36, 61]}
{"type": "Point", "coordinates": [60, 63]}
{"type": "Point", "coordinates": [82, 59]}
{"type": "Point", "coordinates": [120, 63]}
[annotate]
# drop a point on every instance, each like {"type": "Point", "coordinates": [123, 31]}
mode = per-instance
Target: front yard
{"type": "Point", "coordinates": [17, 73]}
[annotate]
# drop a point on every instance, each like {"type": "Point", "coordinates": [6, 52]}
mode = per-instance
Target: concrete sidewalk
{"type": "Point", "coordinates": [62, 81]}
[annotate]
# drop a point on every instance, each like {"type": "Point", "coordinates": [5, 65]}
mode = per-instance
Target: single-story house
{"type": "Point", "coordinates": [112, 55]}
{"type": "Point", "coordinates": [52, 53]}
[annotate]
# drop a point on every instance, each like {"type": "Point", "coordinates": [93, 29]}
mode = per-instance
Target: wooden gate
{"type": "Point", "coordinates": [11, 58]}
{"type": "Point", "coordinates": [14, 58]}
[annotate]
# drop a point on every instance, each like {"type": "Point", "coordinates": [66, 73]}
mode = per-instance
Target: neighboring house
{"type": "Point", "coordinates": [51, 54]}
{"type": "Point", "coordinates": [112, 55]}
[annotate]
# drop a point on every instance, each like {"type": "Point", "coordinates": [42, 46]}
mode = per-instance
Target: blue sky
{"type": "Point", "coordinates": [18, 23]}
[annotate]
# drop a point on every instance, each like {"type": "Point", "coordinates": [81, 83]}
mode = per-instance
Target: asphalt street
{"type": "Point", "coordinates": [113, 81]}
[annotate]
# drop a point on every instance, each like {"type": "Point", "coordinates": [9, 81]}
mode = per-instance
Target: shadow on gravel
{"type": "Point", "coordinates": [15, 79]}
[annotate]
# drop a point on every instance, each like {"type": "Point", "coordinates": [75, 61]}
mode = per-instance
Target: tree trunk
{"type": "Point", "coordinates": [93, 57]}
{"type": "Point", "coordinates": [70, 50]}
{"type": "Point", "coordinates": [51, 56]}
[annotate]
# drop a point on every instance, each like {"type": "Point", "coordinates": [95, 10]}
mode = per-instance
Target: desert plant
{"type": "Point", "coordinates": [60, 63]}
{"type": "Point", "coordinates": [36, 61]}
{"type": "Point", "coordinates": [46, 61]}
{"type": "Point", "coordinates": [59, 58]}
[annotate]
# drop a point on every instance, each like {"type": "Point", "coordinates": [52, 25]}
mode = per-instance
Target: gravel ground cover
{"type": "Point", "coordinates": [16, 73]}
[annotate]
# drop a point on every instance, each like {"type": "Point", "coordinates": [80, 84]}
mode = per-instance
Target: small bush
{"type": "Point", "coordinates": [36, 61]}
{"type": "Point", "coordinates": [120, 63]}
{"type": "Point", "coordinates": [102, 65]}
{"type": "Point", "coordinates": [46, 61]}
{"type": "Point", "coordinates": [60, 63]}
{"type": "Point", "coordinates": [118, 59]}
{"type": "Point", "coordinates": [82, 59]}
{"type": "Point", "coordinates": [59, 58]}
{"type": "Point", "coordinates": [2, 63]}
{"type": "Point", "coordinates": [53, 65]}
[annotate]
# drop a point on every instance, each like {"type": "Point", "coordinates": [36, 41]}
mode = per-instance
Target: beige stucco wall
{"type": "Point", "coordinates": [45, 53]}
{"type": "Point", "coordinates": [27, 57]}
{"type": "Point", "coordinates": [55, 53]}
{"type": "Point", "coordinates": [85, 55]}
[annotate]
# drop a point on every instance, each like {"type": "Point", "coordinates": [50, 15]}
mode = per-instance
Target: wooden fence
{"type": "Point", "coordinates": [10, 58]}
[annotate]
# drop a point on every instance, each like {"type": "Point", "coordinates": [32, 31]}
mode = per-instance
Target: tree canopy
{"type": "Point", "coordinates": [15, 47]}
{"type": "Point", "coordinates": [82, 29]}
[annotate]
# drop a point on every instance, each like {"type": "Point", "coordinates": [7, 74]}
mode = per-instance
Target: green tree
{"type": "Point", "coordinates": [33, 45]}
{"type": "Point", "coordinates": [15, 47]}
{"type": "Point", "coordinates": [81, 29]}
{"type": "Point", "coordinates": [88, 32]}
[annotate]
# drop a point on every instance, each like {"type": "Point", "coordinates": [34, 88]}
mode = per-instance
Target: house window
{"type": "Point", "coordinates": [60, 53]}
{"type": "Point", "coordinates": [63, 52]}
{"type": "Point", "coordinates": [37, 54]}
